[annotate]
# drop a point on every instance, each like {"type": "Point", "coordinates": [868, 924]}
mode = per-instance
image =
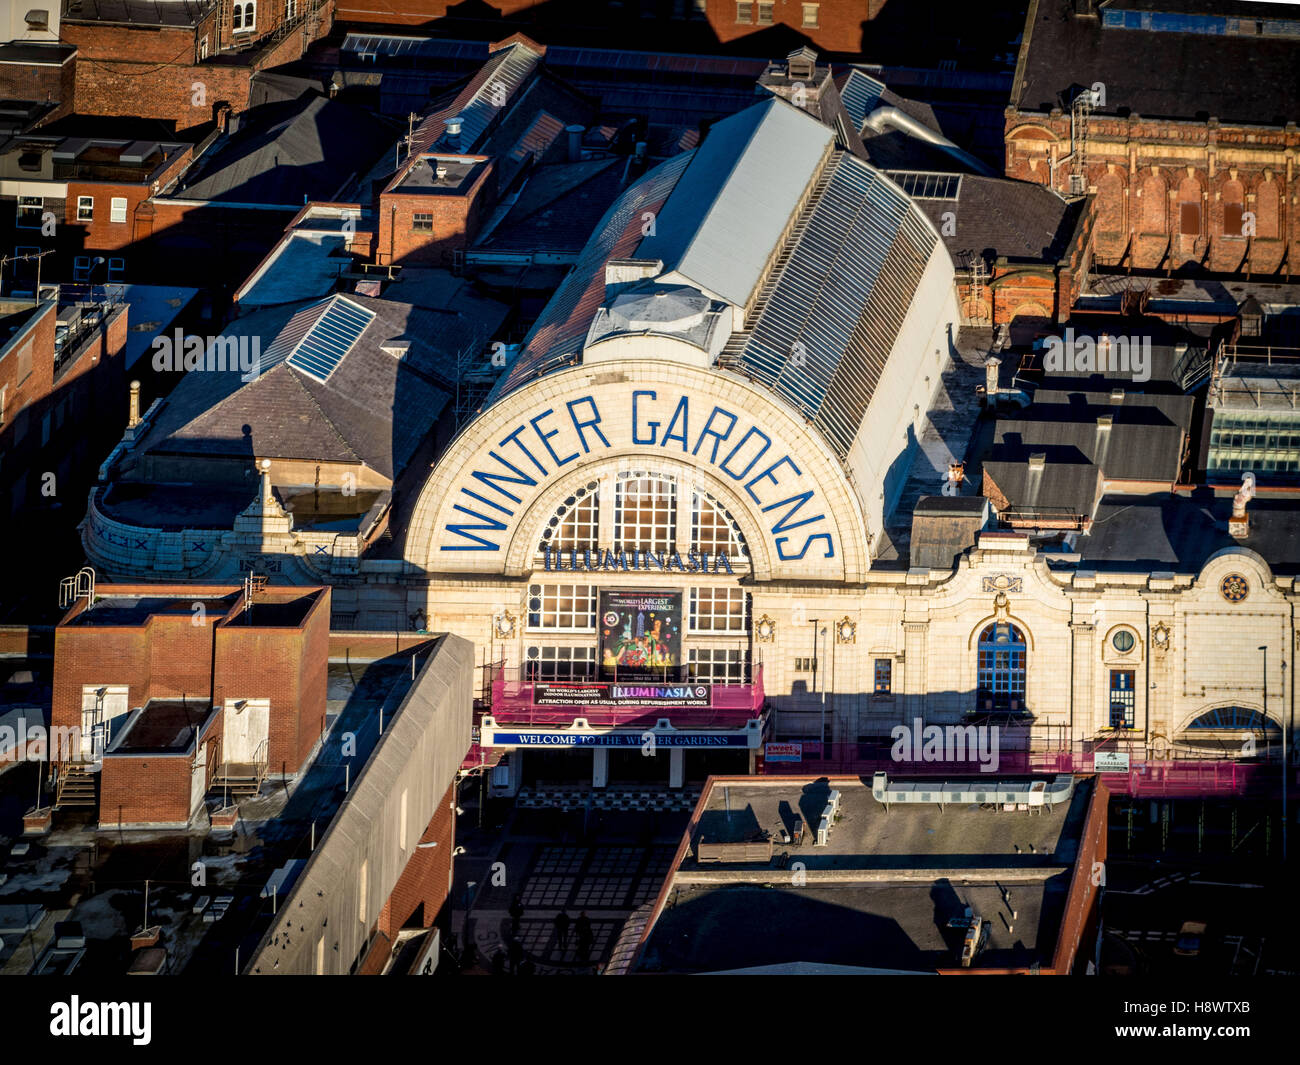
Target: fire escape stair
{"type": "Point", "coordinates": [77, 787]}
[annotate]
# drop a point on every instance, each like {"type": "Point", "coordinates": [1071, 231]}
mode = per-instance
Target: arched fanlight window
{"type": "Point", "coordinates": [575, 525]}
{"type": "Point", "coordinates": [1237, 718]}
{"type": "Point", "coordinates": [1001, 666]}
{"type": "Point", "coordinates": [713, 529]}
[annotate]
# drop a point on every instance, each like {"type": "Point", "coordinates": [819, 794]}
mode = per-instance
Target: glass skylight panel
{"type": "Point", "coordinates": [322, 349]}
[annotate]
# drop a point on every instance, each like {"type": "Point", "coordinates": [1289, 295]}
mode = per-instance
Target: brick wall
{"type": "Point", "coordinates": [1169, 193]}
{"type": "Point", "coordinates": [288, 666]}
{"type": "Point", "coordinates": [154, 72]}
{"type": "Point", "coordinates": [54, 82]}
{"type": "Point", "coordinates": [838, 28]}
{"type": "Point", "coordinates": [456, 220]}
{"type": "Point", "coordinates": [372, 646]}
{"type": "Point", "coordinates": [145, 790]}
{"type": "Point", "coordinates": [424, 885]}
{"type": "Point", "coordinates": [101, 233]}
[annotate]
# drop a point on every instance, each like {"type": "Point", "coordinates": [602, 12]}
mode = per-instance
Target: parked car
{"type": "Point", "coordinates": [1191, 937]}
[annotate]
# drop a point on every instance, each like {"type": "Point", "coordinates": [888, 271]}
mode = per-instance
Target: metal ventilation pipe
{"type": "Point", "coordinates": [883, 117]}
{"type": "Point", "coordinates": [575, 133]}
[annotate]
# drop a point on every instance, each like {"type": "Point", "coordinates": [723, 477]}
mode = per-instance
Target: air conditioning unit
{"type": "Point", "coordinates": [1078, 184]}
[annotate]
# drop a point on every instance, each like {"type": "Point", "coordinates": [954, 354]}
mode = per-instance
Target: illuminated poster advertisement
{"type": "Point", "coordinates": [640, 634]}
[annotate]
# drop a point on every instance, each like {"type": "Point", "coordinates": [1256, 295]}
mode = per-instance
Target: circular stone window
{"type": "Point", "coordinates": [1122, 641]}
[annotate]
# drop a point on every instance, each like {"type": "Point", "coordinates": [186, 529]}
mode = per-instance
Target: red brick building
{"type": "Point", "coordinates": [1179, 122]}
{"type": "Point", "coordinates": [832, 25]}
{"type": "Point", "coordinates": [177, 60]}
{"type": "Point", "coordinates": [434, 206]}
{"type": "Point", "coordinates": [179, 689]}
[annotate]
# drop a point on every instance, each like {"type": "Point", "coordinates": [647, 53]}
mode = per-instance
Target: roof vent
{"type": "Point", "coordinates": [1105, 421]}
{"type": "Point", "coordinates": [453, 126]}
{"type": "Point", "coordinates": [801, 65]}
{"type": "Point", "coordinates": [1117, 395]}
{"type": "Point", "coordinates": [396, 348]}
{"type": "Point", "coordinates": [440, 171]}
{"type": "Point", "coordinates": [1037, 460]}
{"type": "Point", "coordinates": [37, 19]}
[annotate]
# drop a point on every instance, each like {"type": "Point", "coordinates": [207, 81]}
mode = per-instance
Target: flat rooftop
{"type": "Point", "coordinates": [162, 725]}
{"type": "Point", "coordinates": [136, 610]}
{"type": "Point", "coordinates": [881, 893]}
{"type": "Point", "coordinates": [444, 175]}
{"type": "Point", "coordinates": [710, 928]}
{"type": "Point", "coordinates": [871, 837]}
{"type": "Point", "coordinates": [63, 877]}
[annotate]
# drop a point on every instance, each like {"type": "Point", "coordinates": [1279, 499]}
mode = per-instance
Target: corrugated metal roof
{"type": "Point", "coordinates": [737, 197]}
{"type": "Point", "coordinates": [832, 312]}
{"type": "Point", "coordinates": [480, 101]}
{"type": "Point", "coordinates": [860, 93]}
{"type": "Point", "coordinates": [559, 332]}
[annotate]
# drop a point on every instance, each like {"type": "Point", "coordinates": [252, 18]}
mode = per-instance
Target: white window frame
{"type": "Point", "coordinates": [565, 618]}
{"type": "Point", "coordinates": [766, 7]}
{"type": "Point", "coordinates": [575, 525]}
{"type": "Point", "coordinates": [717, 665]}
{"type": "Point", "coordinates": [811, 13]}
{"type": "Point", "coordinates": [745, 12]}
{"type": "Point", "coordinates": [243, 18]}
{"type": "Point", "coordinates": [712, 609]}
{"type": "Point", "coordinates": [708, 512]}
{"type": "Point", "coordinates": [547, 664]}
{"type": "Point", "coordinates": [658, 492]}
{"type": "Point", "coordinates": [117, 206]}
{"type": "Point", "coordinates": [85, 208]}
{"type": "Point", "coordinates": [28, 204]}
{"type": "Point", "coordinates": [290, 9]}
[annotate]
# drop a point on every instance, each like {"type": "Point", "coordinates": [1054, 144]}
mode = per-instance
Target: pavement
{"type": "Point", "coordinates": [603, 863]}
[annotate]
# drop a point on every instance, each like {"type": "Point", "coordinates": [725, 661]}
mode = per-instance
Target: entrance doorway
{"type": "Point", "coordinates": [630, 766]}
{"type": "Point", "coordinates": [700, 765]}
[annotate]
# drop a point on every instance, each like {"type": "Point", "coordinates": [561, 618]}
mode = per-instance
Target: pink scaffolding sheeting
{"type": "Point", "coordinates": [513, 703]}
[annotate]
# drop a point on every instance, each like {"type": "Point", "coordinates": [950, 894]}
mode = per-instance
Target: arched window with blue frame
{"type": "Point", "coordinates": [1234, 718]}
{"type": "Point", "coordinates": [1001, 679]}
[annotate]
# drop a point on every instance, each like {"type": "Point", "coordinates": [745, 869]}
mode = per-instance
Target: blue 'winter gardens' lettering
{"type": "Point", "coordinates": [549, 441]}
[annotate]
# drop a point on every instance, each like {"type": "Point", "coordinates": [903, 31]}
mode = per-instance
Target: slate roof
{"type": "Point", "coordinates": [142, 12]}
{"type": "Point", "coordinates": [1142, 444]}
{"type": "Point", "coordinates": [1020, 220]}
{"type": "Point", "coordinates": [373, 408]}
{"type": "Point", "coordinates": [1160, 74]}
{"type": "Point", "coordinates": [558, 208]}
{"type": "Point", "coordinates": [280, 152]}
{"type": "Point", "coordinates": [1181, 533]}
{"type": "Point", "coordinates": [1066, 482]}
